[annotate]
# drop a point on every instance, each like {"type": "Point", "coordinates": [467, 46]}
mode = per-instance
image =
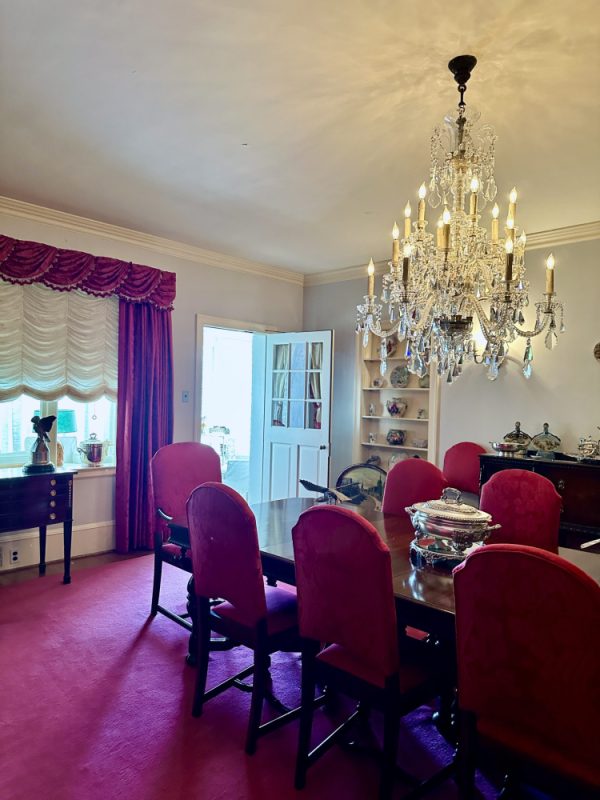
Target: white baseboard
{"type": "Point", "coordinates": [94, 537]}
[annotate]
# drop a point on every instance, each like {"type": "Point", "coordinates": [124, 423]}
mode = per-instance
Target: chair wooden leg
{"type": "Point", "coordinates": [259, 688]}
{"type": "Point", "coordinates": [306, 716]}
{"type": "Point", "coordinates": [466, 755]}
{"type": "Point", "coordinates": [202, 652]}
{"type": "Point", "coordinates": [156, 584]}
{"type": "Point", "coordinates": [391, 732]}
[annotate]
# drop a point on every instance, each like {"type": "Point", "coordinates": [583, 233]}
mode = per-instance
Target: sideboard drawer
{"type": "Point", "coordinates": [580, 492]}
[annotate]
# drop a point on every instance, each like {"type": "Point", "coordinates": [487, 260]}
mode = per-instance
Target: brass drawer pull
{"type": "Point", "coordinates": [52, 516]}
{"type": "Point", "coordinates": [52, 492]}
{"type": "Point", "coordinates": [52, 503]}
{"type": "Point", "coordinates": [53, 482]}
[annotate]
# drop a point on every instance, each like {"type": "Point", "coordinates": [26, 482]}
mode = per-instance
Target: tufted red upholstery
{"type": "Point", "coordinates": [225, 553]}
{"type": "Point", "coordinates": [175, 470]}
{"type": "Point", "coordinates": [461, 466]}
{"type": "Point", "coordinates": [411, 481]}
{"type": "Point", "coordinates": [528, 660]}
{"type": "Point", "coordinates": [345, 595]}
{"type": "Point", "coordinates": [526, 505]}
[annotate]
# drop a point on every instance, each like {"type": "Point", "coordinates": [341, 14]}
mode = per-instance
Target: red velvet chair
{"type": "Point", "coordinates": [175, 470]}
{"type": "Point", "coordinates": [526, 505]}
{"type": "Point", "coordinates": [346, 598]}
{"type": "Point", "coordinates": [529, 666]}
{"type": "Point", "coordinates": [461, 466]}
{"type": "Point", "coordinates": [226, 564]}
{"type": "Point", "coordinates": [412, 481]}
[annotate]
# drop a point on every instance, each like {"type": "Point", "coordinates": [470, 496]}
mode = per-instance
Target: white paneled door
{"type": "Point", "coordinates": [297, 412]}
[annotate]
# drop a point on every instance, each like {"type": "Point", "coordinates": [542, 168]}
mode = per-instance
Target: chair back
{"type": "Point", "coordinates": [528, 658]}
{"type": "Point", "coordinates": [526, 505]}
{"type": "Point", "coordinates": [225, 553]}
{"type": "Point", "coordinates": [344, 585]}
{"type": "Point", "coordinates": [461, 466]}
{"type": "Point", "coordinates": [412, 481]}
{"type": "Point", "coordinates": [175, 470]}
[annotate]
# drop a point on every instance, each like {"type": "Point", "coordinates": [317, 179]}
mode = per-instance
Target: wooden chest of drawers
{"type": "Point", "coordinates": [36, 501]}
{"type": "Point", "coordinates": [577, 483]}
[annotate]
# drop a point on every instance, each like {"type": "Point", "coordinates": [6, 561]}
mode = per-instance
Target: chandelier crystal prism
{"type": "Point", "coordinates": [463, 274]}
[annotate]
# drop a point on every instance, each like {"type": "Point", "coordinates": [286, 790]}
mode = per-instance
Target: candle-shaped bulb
{"type": "Point", "coordinates": [395, 245]}
{"type": "Point", "coordinates": [512, 206]}
{"type": "Point", "coordinates": [550, 274]}
{"type": "Point", "coordinates": [371, 278]}
{"type": "Point", "coordinates": [407, 213]}
{"type": "Point", "coordinates": [495, 213]}
{"type": "Point", "coordinates": [446, 217]}
{"type": "Point", "coordinates": [473, 198]}
{"type": "Point", "coordinates": [522, 239]}
{"type": "Point", "coordinates": [474, 183]}
{"type": "Point", "coordinates": [422, 193]}
{"type": "Point", "coordinates": [510, 223]}
{"type": "Point", "coordinates": [406, 252]}
{"type": "Point", "coordinates": [513, 195]}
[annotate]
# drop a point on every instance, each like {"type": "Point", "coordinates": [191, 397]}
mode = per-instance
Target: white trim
{"type": "Point", "coordinates": [156, 244]}
{"type": "Point", "coordinates": [572, 234]}
{"type": "Point", "coordinates": [93, 537]}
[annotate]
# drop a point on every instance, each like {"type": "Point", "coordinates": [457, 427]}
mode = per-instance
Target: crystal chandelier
{"type": "Point", "coordinates": [462, 273]}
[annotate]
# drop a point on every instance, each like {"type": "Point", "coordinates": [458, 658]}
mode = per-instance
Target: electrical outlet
{"type": "Point", "coordinates": [185, 396]}
{"type": "Point", "coordinates": [14, 556]}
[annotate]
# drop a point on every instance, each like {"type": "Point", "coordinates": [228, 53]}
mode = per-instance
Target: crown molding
{"type": "Point", "coordinates": [156, 244]}
{"type": "Point", "coordinates": [572, 234]}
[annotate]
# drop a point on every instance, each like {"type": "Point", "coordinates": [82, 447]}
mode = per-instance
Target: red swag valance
{"type": "Point", "coordinates": [32, 262]}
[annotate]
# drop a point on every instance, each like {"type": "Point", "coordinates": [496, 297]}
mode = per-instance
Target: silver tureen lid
{"type": "Point", "coordinates": [449, 509]}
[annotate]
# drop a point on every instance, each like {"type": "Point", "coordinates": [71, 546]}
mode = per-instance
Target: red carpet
{"type": "Point", "coordinates": [96, 705]}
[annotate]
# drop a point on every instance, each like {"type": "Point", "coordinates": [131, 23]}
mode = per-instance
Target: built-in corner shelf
{"type": "Point", "coordinates": [374, 421]}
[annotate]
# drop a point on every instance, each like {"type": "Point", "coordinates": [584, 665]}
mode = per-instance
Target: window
{"type": "Point", "coordinates": [75, 422]}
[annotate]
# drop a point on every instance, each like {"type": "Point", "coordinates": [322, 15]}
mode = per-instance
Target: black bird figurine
{"type": "Point", "coordinates": [42, 426]}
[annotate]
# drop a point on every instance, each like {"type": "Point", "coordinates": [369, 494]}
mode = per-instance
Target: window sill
{"type": "Point", "coordinates": [85, 471]}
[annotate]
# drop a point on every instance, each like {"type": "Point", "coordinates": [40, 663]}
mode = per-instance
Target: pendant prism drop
{"type": "Point", "coordinates": [551, 340]}
{"type": "Point", "coordinates": [527, 369]}
{"type": "Point", "coordinates": [383, 367]}
{"type": "Point", "coordinates": [366, 339]}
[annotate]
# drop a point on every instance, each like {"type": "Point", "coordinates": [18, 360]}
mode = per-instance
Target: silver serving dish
{"type": "Point", "coordinates": [508, 448]}
{"type": "Point", "coordinates": [447, 529]}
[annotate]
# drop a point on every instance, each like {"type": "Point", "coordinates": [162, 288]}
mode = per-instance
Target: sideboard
{"type": "Point", "coordinates": [578, 483]}
{"type": "Point", "coordinates": [36, 501]}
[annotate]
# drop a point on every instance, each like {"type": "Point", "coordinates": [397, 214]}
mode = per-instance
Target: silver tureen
{"type": "Point", "coordinates": [446, 530]}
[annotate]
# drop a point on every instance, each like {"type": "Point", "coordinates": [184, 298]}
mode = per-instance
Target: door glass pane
{"type": "Point", "coordinates": [297, 381]}
{"type": "Point", "coordinates": [299, 355]}
{"type": "Point", "coordinates": [281, 356]}
{"type": "Point", "coordinates": [297, 414]}
{"type": "Point", "coordinates": [280, 385]}
{"type": "Point", "coordinates": [314, 385]}
{"type": "Point", "coordinates": [280, 414]}
{"type": "Point", "coordinates": [313, 414]}
{"type": "Point", "coordinates": [316, 355]}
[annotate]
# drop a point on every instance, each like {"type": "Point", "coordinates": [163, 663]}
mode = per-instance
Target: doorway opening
{"type": "Point", "coordinates": [227, 402]}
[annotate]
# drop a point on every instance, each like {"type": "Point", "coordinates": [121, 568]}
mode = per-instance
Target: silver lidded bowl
{"type": "Point", "coordinates": [508, 448]}
{"type": "Point", "coordinates": [446, 530]}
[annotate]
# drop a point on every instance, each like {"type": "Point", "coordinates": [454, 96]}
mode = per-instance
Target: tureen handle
{"type": "Point", "coordinates": [451, 496]}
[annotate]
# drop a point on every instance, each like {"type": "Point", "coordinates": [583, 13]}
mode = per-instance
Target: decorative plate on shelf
{"type": "Point", "coordinates": [399, 377]}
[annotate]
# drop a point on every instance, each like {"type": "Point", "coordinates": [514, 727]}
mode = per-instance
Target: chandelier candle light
{"type": "Point", "coordinates": [466, 274]}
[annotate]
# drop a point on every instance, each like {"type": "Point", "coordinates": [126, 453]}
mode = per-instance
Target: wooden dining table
{"type": "Point", "coordinates": [424, 597]}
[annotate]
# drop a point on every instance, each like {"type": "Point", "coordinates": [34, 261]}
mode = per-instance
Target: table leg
{"type": "Point", "coordinates": [42, 566]}
{"type": "Point", "coordinates": [67, 532]}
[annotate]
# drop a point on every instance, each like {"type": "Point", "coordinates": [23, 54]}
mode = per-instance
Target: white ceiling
{"type": "Point", "coordinates": [136, 113]}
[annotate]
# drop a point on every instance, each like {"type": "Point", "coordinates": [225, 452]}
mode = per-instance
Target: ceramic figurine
{"type": "Point", "coordinates": [546, 441]}
{"type": "Point", "coordinates": [518, 436]}
{"type": "Point", "coordinates": [372, 438]}
{"type": "Point", "coordinates": [422, 413]}
{"type": "Point", "coordinates": [371, 409]}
